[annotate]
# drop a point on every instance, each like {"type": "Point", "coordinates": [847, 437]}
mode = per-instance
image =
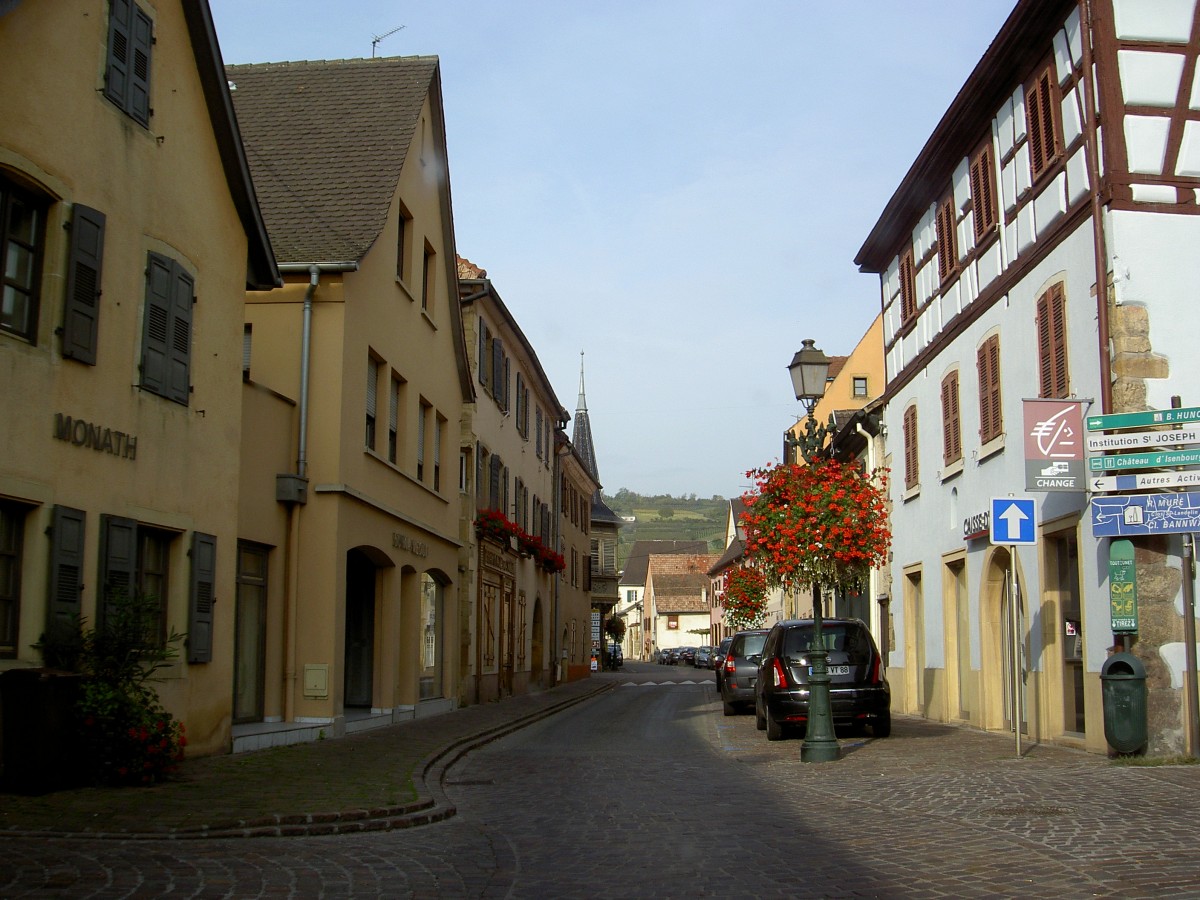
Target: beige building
{"type": "Point", "coordinates": [130, 232]}
{"type": "Point", "coordinates": [351, 603]}
{"type": "Point", "coordinates": [677, 598]}
{"type": "Point", "coordinates": [508, 435]}
{"type": "Point", "coordinates": [577, 625]}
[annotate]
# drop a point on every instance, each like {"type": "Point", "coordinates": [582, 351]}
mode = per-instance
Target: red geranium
{"type": "Point", "coordinates": [744, 598]}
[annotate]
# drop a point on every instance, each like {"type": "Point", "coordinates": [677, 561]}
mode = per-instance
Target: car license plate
{"type": "Point", "coordinates": [834, 670]}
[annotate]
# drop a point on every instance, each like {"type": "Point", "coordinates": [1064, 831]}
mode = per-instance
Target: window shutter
{"type": "Point", "coordinates": [911, 468]}
{"type": "Point", "coordinates": [908, 290]}
{"type": "Point", "coordinates": [200, 615]}
{"type": "Point", "coordinates": [118, 562]}
{"type": "Point", "coordinates": [81, 309]}
{"type": "Point", "coordinates": [947, 252]}
{"type": "Point", "coordinates": [372, 386]}
{"type": "Point", "coordinates": [1052, 344]}
{"type": "Point", "coordinates": [120, 39]}
{"type": "Point", "coordinates": [166, 335]}
{"type": "Point", "coordinates": [983, 194]}
{"type": "Point", "coordinates": [139, 75]}
{"type": "Point", "coordinates": [951, 420]}
{"type": "Point", "coordinates": [991, 420]}
{"type": "Point", "coordinates": [494, 482]}
{"type": "Point", "coordinates": [497, 384]}
{"type": "Point", "coordinates": [1039, 111]}
{"type": "Point", "coordinates": [66, 564]}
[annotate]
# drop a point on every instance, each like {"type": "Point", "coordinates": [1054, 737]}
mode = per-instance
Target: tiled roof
{"type": "Point", "coordinates": [680, 593]}
{"type": "Point", "coordinates": [468, 271]}
{"type": "Point", "coordinates": [326, 141]}
{"type": "Point", "coordinates": [639, 556]}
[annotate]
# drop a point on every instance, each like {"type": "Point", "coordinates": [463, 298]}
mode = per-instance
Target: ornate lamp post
{"type": "Point", "coordinates": [809, 370]}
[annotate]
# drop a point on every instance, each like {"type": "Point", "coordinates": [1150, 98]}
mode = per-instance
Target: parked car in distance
{"type": "Point", "coordinates": [740, 670]}
{"type": "Point", "coordinates": [673, 656]}
{"type": "Point", "coordinates": [702, 658]}
{"type": "Point", "coordinates": [859, 694]}
{"type": "Point", "coordinates": [687, 655]}
{"type": "Point", "coordinates": [660, 655]}
{"type": "Point", "coordinates": [718, 658]}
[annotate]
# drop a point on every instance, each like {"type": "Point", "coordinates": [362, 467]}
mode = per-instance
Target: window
{"type": "Point", "coordinates": [439, 425]}
{"type": "Point", "coordinates": [983, 193]}
{"type": "Point", "coordinates": [81, 308]}
{"type": "Point", "coordinates": [395, 405]}
{"type": "Point", "coordinates": [167, 331]}
{"type": "Point", "coordinates": [12, 529]}
{"type": "Point", "coordinates": [912, 472]}
{"type": "Point", "coordinates": [522, 407]}
{"type": "Point", "coordinates": [951, 420]}
{"type": "Point", "coordinates": [422, 431]}
{"type": "Point", "coordinates": [947, 244]}
{"type": "Point", "coordinates": [991, 420]}
{"type": "Point", "coordinates": [908, 288]}
{"type": "Point", "coordinates": [372, 388]}
{"type": "Point", "coordinates": [127, 78]}
{"type": "Point", "coordinates": [860, 386]}
{"type": "Point", "coordinates": [484, 364]}
{"type": "Point", "coordinates": [247, 347]}
{"type": "Point", "coordinates": [134, 565]}
{"type": "Point", "coordinates": [427, 274]}
{"type": "Point", "coordinates": [250, 633]}
{"type": "Point", "coordinates": [1052, 344]}
{"type": "Point", "coordinates": [22, 243]}
{"type": "Point", "coordinates": [537, 418]}
{"type": "Point", "coordinates": [403, 244]}
{"type": "Point", "coordinates": [430, 679]}
{"type": "Point", "coordinates": [1041, 114]}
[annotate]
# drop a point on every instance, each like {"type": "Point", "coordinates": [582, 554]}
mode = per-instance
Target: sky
{"type": "Point", "coordinates": [676, 189]}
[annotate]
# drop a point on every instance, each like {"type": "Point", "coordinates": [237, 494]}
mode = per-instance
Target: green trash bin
{"type": "Point", "coordinates": [1123, 690]}
{"type": "Point", "coordinates": [40, 733]}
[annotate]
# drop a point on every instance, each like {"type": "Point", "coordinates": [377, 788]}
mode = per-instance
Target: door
{"type": "Point", "coordinates": [360, 630]}
{"type": "Point", "coordinates": [250, 634]}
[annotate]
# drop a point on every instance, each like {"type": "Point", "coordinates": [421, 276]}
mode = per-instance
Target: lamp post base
{"type": "Point", "coordinates": [820, 741]}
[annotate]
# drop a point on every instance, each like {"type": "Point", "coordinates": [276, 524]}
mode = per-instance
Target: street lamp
{"type": "Point", "coordinates": [809, 370]}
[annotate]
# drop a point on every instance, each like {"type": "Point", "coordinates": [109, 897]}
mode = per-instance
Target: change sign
{"type": "Point", "coordinates": [1054, 441]}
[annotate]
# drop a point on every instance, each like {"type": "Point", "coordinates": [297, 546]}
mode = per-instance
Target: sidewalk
{"type": "Point", "coordinates": [356, 783]}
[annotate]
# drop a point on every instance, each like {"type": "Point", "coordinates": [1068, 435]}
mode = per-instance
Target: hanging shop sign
{"type": "Point", "coordinates": [1054, 445]}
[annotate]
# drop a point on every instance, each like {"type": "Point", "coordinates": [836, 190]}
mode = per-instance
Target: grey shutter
{"type": "Point", "coordinates": [66, 564]}
{"type": "Point", "coordinates": [166, 334]}
{"type": "Point", "coordinates": [116, 79]}
{"type": "Point", "coordinates": [497, 384]}
{"type": "Point", "coordinates": [81, 311]}
{"type": "Point", "coordinates": [200, 614]}
{"type": "Point", "coordinates": [118, 562]}
{"type": "Point", "coordinates": [494, 483]}
{"type": "Point", "coordinates": [138, 103]}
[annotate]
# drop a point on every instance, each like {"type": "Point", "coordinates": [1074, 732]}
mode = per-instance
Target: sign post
{"type": "Point", "coordinates": [1013, 522]}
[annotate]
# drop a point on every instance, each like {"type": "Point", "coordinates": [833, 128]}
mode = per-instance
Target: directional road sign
{"type": "Point", "coordinates": [1144, 481]}
{"type": "Point", "coordinates": [1143, 419]}
{"type": "Point", "coordinates": [1152, 460]}
{"type": "Point", "coordinates": [1143, 514]}
{"type": "Point", "coordinates": [1013, 520]}
{"type": "Point", "coordinates": [1142, 440]}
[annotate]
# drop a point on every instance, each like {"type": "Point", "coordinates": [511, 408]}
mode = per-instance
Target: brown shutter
{"type": "Point", "coordinates": [911, 468]}
{"type": "Point", "coordinates": [951, 420]}
{"type": "Point", "coordinates": [947, 252]}
{"type": "Point", "coordinates": [908, 290]}
{"type": "Point", "coordinates": [66, 565]}
{"type": "Point", "coordinates": [1040, 123]}
{"type": "Point", "coordinates": [991, 420]}
{"type": "Point", "coordinates": [983, 193]}
{"type": "Point", "coordinates": [1060, 385]}
{"type": "Point", "coordinates": [200, 614]}
{"type": "Point", "coordinates": [81, 309]}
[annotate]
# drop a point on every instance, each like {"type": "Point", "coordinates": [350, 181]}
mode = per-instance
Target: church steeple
{"type": "Point", "coordinates": [581, 436]}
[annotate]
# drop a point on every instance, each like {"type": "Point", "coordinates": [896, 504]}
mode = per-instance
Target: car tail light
{"type": "Point", "coordinates": [777, 671]}
{"type": "Point", "coordinates": [876, 663]}
{"type": "Point", "coordinates": [730, 665]}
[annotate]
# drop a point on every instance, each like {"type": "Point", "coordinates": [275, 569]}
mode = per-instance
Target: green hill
{"type": "Point", "coordinates": [665, 518]}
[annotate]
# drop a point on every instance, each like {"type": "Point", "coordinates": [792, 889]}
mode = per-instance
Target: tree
{"type": "Point", "coordinates": [823, 523]}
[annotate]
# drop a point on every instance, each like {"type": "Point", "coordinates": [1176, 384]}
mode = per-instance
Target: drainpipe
{"type": "Point", "coordinates": [297, 496]}
{"type": "Point", "coordinates": [1098, 239]}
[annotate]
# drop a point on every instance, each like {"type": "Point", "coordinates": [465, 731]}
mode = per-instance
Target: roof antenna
{"type": "Point", "coordinates": [379, 37]}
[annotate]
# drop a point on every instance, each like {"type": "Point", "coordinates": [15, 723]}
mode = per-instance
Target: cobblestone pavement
{"type": "Point", "coordinates": [649, 791]}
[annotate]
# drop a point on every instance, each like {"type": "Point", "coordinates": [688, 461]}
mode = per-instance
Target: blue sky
{"type": "Point", "coordinates": [676, 188]}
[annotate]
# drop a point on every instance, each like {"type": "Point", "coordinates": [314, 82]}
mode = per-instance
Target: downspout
{"type": "Point", "coordinates": [1098, 238]}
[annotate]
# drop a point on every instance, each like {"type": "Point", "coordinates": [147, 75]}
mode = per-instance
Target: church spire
{"type": "Point", "coordinates": [581, 436]}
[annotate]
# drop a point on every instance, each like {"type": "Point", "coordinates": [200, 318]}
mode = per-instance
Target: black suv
{"type": "Point", "coordinates": [858, 691]}
{"type": "Point", "coordinates": [739, 671]}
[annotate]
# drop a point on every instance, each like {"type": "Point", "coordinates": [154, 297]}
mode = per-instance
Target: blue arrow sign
{"type": "Point", "coordinates": [1014, 521]}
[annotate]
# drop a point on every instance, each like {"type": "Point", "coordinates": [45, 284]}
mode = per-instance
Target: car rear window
{"type": "Point", "coordinates": [748, 645]}
{"type": "Point", "coordinates": [853, 640]}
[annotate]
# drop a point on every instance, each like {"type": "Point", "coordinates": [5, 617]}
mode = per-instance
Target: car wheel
{"type": "Point", "coordinates": [774, 730]}
{"type": "Point", "coordinates": [883, 725]}
{"type": "Point", "coordinates": [760, 721]}
{"type": "Point", "coordinates": [729, 709]}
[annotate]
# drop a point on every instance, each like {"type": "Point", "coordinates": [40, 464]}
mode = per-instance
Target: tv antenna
{"type": "Point", "coordinates": [379, 37]}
